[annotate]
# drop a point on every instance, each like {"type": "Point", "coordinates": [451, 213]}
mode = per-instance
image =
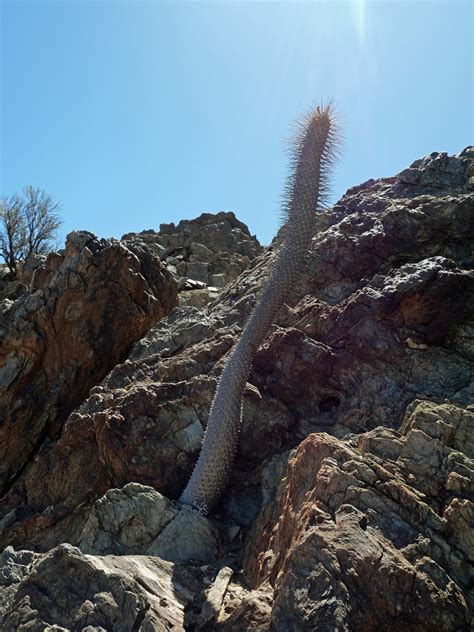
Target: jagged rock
{"type": "Point", "coordinates": [85, 309]}
{"type": "Point", "coordinates": [139, 520]}
{"type": "Point", "coordinates": [440, 171]}
{"type": "Point", "coordinates": [213, 249]}
{"type": "Point", "coordinates": [10, 289]}
{"type": "Point", "coordinates": [14, 566]}
{"type": "Point", "coordinates": [383, 270]}
{"type": "Point", "coordinates": [199, 297]}
{"type": "Point", "coordinates": [214, 598]}
{"type": "Point", "coordinates": [362, 527]}
{"type": "Point", "coordinates": [246, 610]}
{"type": "Point", "coordinates": [370, 537]}
{"type": "Point", "coordinates": [67, 590]}
{"type": "Point", "coordinates": [26, 269]}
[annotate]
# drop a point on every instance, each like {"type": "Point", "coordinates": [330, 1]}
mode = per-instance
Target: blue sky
{"type": "Point", "coordinates": [135, 113]}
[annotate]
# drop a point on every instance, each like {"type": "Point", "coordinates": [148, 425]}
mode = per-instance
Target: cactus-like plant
{"type": "Point", "coordinates": [313, 152]}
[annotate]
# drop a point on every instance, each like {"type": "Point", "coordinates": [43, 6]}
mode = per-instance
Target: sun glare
{"type": "Point", "coordinates": [358, 8]}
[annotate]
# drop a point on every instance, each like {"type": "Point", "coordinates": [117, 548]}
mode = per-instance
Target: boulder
{"type": "Point", "coordinates": [139, 520]}
{"type": "Point", "coordinates": [68, 591]}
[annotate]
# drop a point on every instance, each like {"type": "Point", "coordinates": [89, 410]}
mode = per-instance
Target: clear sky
{"type": "Point", "coordinates": [135, 113]}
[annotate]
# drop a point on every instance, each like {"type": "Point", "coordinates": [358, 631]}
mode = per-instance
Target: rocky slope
{"type": "Point", "coordinates": [203, 254]}
{"type": "Point", "coordinates": [351, 503]}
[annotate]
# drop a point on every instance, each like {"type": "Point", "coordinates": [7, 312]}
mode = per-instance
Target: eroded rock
{"type": "Point", "coordinates": [357, 490]}
{"type": "Point", "coordinates": [139, 520]}
{"type": "Point", "coordinates": [59, 338]}
{"type": "Point", "coordinates": [369, 537]}
{"type": "Point", "coordinates": [70, 591]}
{"type": "Point", "coordinates": [212, 249]}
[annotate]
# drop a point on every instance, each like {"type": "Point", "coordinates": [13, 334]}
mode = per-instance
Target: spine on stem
{"type": "Point", "coordinates": [312, 155]}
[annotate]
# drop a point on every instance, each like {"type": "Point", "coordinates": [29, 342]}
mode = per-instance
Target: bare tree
{"type": "Point", "coordinates": [28, 225]}
{"type": "Point", "coordinates": [12, 232]}
{"type": "Point", "coordinates": [40, 214]}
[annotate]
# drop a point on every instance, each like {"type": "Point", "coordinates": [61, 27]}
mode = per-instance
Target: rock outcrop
{"type": "Point", "coordinates": [211, 250]}
{"type": "Point", "coordinates": [374, 535]}
{"type": "Point", "coordinates": [66, 590]}
{"type": "Point", "coordinates": [138, 519]}
{"type": "Point", "coordinates": [351, 501]}
{"type": "Point", "coordinates": [84, 310]}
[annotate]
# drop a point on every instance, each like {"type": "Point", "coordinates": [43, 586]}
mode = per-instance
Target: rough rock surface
{"type": "Point", "coordinates": [198, 297]}
{"type": "Point", "coordinates": [67, 590]}
{"type": "Point", "coordinates": [351, 499]}
{"type": "Point", "coordinates": [10, 289]}
{"type": "Point", "coordinates": [139, 520]}
{"type": "Point", "coordinates": [377, 535]}
{"type": "Point", "coordinates": [83, 312]}
{"type": "Point", "coordinates": [212, 249]}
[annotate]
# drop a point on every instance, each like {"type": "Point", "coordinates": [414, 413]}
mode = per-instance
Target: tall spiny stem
{"type": "Point", "coordinates": [312, 156]}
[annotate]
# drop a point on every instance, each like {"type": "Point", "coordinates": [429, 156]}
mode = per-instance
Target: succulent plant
{"type": "Point", "coordinates": [312, 154]}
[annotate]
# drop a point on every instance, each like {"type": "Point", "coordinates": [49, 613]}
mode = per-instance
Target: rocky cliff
{"type": "Point", "coordinates": [350, 507]}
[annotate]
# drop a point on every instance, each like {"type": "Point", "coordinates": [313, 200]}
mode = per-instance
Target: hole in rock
{"type": "Point", "coordinates": [329, 404]}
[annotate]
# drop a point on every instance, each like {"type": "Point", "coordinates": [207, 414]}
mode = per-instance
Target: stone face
{"type": "Point", "coordinates": [126, 521]}
{"type": "Point", "coordinates": [199, 297]}
{"type": "Point", "coordinates": [350, 504]}
{"type": "Point", "coordinates": [382, 316]}
{"type": "Point", "coordinates": [67, 590]}
{"type": "Point", "coordinates": [249, 610]}
{"type": "Point", "coordinates": [353, 533]}
{"type": "Point", "coordinates": [83, 312]}
{"type": "Point", "coordinates": [213, 249]}
{"type": "Point", "coordinates": [188, 536]}
{"type": "Point", "coordinates": [139, 520]}
{"type": "Point", "coordinates": [214, 598]}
